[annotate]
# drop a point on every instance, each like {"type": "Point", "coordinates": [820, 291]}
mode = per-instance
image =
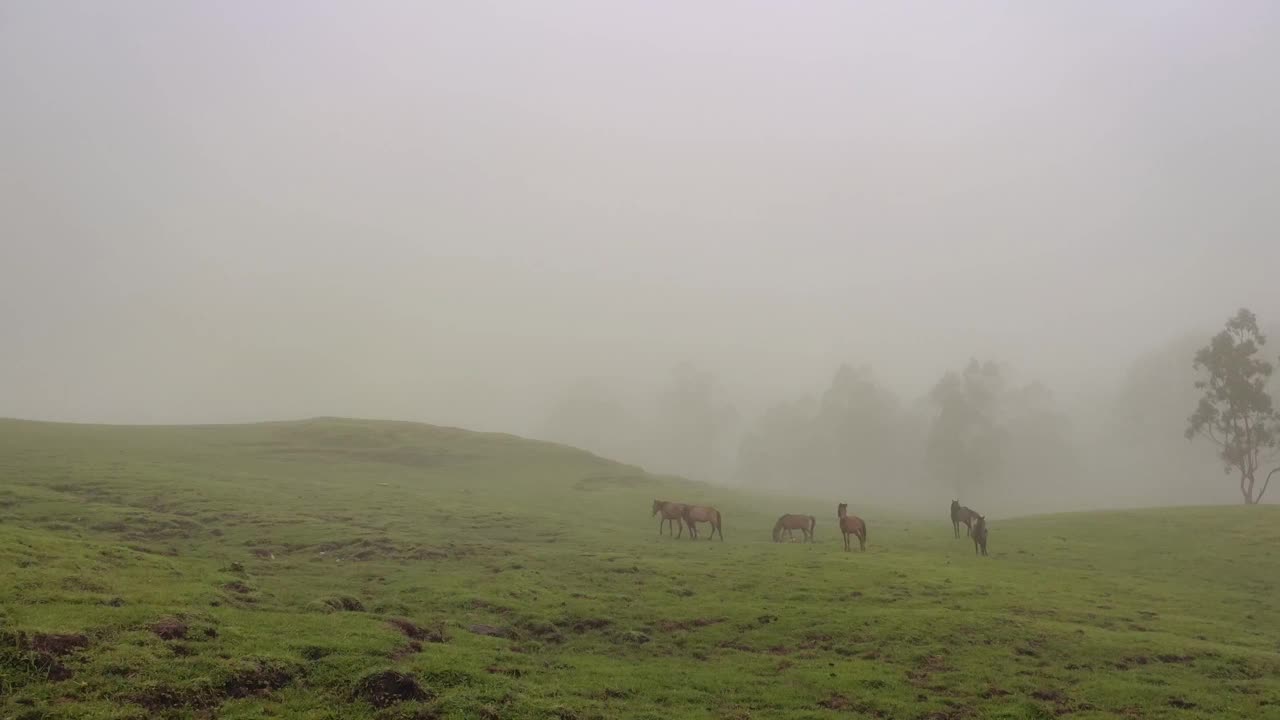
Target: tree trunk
{"type": "Point", "coordinates": [1246, 486]}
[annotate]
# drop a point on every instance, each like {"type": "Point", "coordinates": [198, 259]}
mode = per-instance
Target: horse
{"type": "Point", "coordinates": [694, 514]}
{"type": "Point", "coordinates": [803, 523]}
{"type": "Point", "coordinates": [980, 534]}
{"type": "Point", "coordinates": [852, 525]}
{"type": "Point", "coordinates": [672, 512]}
{"type": "Point", "coordinates": [961, 514]}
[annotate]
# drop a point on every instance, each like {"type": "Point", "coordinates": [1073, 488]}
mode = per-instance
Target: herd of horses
{"type": "Point", "coordinates": [681, 515]}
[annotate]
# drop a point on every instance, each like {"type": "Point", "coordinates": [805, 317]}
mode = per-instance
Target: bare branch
{"type": "Point", "coordinates": [1266, 484]}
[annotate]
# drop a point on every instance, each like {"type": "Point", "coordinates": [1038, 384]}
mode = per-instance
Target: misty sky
{"type": "Point", "coordinates": [447, 211]}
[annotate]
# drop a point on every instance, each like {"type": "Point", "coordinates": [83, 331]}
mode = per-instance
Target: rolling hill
{"type": "Point", "coordinates": [336, 568]}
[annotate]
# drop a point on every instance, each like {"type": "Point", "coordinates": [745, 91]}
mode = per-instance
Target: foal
{"type": "Point", "coordinates": [980, 534]}
{"type": "Point", "coordinates": [852, 525]}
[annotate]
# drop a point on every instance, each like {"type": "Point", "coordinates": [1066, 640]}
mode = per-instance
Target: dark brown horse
{"type": "Point", "coordinates": [979, 534]}
{"type": "Point", "coordinates": [672, 512]}
{"type": "Point", "coordinates": [961, 515]}
{"type": "Point", "coordinates": [852, 525]}
{"type": "Point", "coordinates": [803, 523]}
{"type": "Point", "coordinates": [694, 514]}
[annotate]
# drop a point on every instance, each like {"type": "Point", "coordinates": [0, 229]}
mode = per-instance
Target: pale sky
{"type": "Point", "coordinates": [446, 211]}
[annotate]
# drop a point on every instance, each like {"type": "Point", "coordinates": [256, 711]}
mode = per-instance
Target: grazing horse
{"type": "Point", "coordinates": [803, 523]}
{"type": "Point", "coordinates": [672, 512]}
{"type": "Point", "coordinates": [962, 515]}
{"type": "Point", "coordinates": [694, 514]}
{"type": "Point", "coordinates": [852, 525]}
{"type": "Point", "coordinates": [980, 534]}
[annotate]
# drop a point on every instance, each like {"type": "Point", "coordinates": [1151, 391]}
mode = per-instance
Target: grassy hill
{"type": "Point", "coordinates": [351, 569]}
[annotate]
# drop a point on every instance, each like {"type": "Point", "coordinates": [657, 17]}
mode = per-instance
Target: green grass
{"type": "Point", "coordinates": [250, 536]}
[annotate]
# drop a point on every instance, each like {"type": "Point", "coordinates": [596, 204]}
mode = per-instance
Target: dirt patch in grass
{"type": "Point", "coordinates": [170, 629]}
{"type": "Point", "coordinates": [38, 655]}
{"type": "Point", "coordinates": [480, 605]}
{"type": "Point", "coordinates": [414, 631]}
{"type": "Point", "coordinates": [925, 668]}
{"type": "Point", "coordinates": [237, 587]}
{"type": "Point", "coordinates": [993, 691]}
{"type": "Point", "coordinates": [258, 677]}
{"type": "Point", "coordinates": [341, 603]}
{"type": "Point", "coordinates": [685, 625]}
{"type": "Point", "coordinates": [835, 702]}
{"type": "Point", "coordinates": [412, 648]}
{"type": "Point", "coordinates": [57, 644]}
{"type": "Point", "coordinates": [156, 697]}
{"type": "Point", "coordinates": [585, 625]}
{"type": "Point", "coordinates": [388, 687]}
{"type": "Point", "coordinates": [492, 631]}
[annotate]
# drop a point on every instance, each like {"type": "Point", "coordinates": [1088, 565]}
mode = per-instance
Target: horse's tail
{"type": "Point", "coordinates": [862, 531]}
{"type": "Point", "coordinates": [812, 523]}
{"type": "Point", "coordinates": [719, 527]}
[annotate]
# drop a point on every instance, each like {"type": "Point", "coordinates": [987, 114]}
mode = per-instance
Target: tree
{"type": "Point", "coordinates": [694, 425]}
{"type": "Point", "coordinates": [964, 439]}
{"type": "Point", "coordinates": [991, 438]}
{"type": "Point", "coordinates": [1235, 412]}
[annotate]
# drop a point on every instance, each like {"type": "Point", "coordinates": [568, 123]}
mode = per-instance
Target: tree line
{"type": "Point", "coordinates": [1182, 414]}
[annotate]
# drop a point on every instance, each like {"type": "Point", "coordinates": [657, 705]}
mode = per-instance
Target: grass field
{"type": "Point", "coordinates": [351, 569]}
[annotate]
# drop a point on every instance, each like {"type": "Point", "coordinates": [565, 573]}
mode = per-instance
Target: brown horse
{"type": "Point", "coordinates": [979, 534]}
{"type": "Point", "coordinates": [852, 525]}
{"type": "Point", "coordinates": [672, 512]}
{"type": "Point", "coordinates": [694, 514]}
{"type": "Point", "coordinates": [962, 515]}
{"type": "Point", "coordinates": [803, 523]}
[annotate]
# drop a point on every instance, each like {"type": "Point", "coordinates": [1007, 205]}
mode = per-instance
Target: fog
{"type": "Point", "coordinates": [656, 230]}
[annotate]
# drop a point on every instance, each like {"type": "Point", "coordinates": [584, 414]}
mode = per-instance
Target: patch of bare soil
{"type": "Point", "coordinates": [685, 625]}
{"type": "Point", "coordinates": [58, 644]}
{"type": "Point", "coordinates": [157, 697]}
{"type": "Point", "coordinates": [257, 678]}
{"type": "Point", "coordinates": [925, 668]}
{"type": "Point", "coordinates": [238, 587]}
{"type": "Point", "coordinates": [170, 629]}
{"type": "Point", "coordinates": [41, 652]}
{"type": "Point", "coordinates": [544, 632]}
{"type": "Point", "coordinates": [835, 702]}
{"type": "Point", "coordinates": [585, 625]}
{"type": "Point", "coordinates": [386, 688]}
{"type": "Point", "coordinates": [492, 631]}
{"type": "Point", "coordinates": [343, 603]}
{"type": "Point", "coordinates": [415, 632]}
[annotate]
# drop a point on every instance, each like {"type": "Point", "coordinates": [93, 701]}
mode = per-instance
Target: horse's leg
{"type": "Point", "coordinates": [680, 524]}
